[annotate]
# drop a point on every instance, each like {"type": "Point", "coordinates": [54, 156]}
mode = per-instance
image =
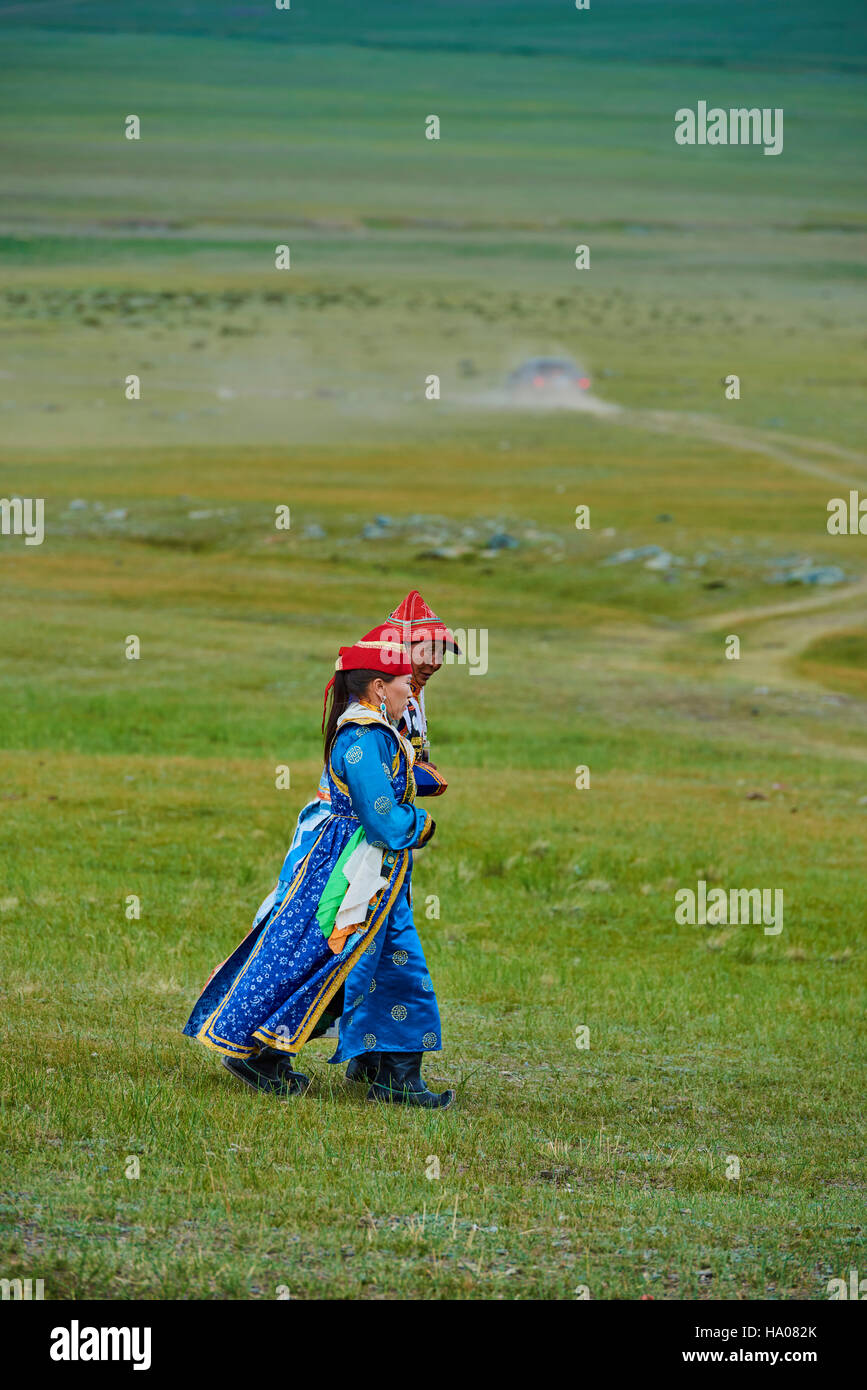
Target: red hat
{"type": "Point", "coordinates": [387, 656]}
{"type": "Point", "coordinates": [413, 621]}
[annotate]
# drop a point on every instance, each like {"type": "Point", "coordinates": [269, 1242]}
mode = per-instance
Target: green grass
{"type": "Point", "coordinates": [780, 34]}
{"type": "Point", "coordinates": [691, 1059]}
{"type": "Point", "coordinates": [838, 660]}
{"type": "Point", "coordinates": [561, 1167]}
{"type": "Point", "coordinates": [157, 778]}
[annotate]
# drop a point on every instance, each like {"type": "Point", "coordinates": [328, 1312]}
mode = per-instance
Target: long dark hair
{"type": "Point", "coordinates": [348, 686]}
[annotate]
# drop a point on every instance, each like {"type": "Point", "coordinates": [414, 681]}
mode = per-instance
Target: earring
{"type": "Point", "coordinates": [382, 709]}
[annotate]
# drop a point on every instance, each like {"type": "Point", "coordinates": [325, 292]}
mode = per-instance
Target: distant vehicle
{"type": "Point", "coordinates": [547, 378]}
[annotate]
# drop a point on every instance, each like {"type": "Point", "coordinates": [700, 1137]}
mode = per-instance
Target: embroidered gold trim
{"type": "Point", "coordinates": [335, 980]}
{"type": "Point", "coordinates": [206, 1033]}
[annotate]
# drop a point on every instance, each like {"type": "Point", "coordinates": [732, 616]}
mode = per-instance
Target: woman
{"type": "Point", "coordinates": [341, 940]}
{"type": "Point", "coordinates": [426, 638]}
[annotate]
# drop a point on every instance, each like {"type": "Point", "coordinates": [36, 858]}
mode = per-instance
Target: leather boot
{"type": "Point", "coordinates": [363, 1067]}
{"type": "Point", "coordinates": [267, 1075]}
{"type": "Point", "coordinates": [399, 1080]}
{"type": "Point", "coordinates": [270, 1059]}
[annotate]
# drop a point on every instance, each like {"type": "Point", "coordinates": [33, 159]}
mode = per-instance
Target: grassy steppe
{"type": "Point", "coordinates": [607, 1166]}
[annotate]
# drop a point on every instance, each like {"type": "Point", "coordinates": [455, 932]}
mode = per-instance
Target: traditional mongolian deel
{"type": "Point", "coordinates": [410, 622]}
{"type": "Point", "coordinates": [311, 939]}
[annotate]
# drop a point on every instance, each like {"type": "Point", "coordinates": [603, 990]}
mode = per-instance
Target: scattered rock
{"type": "Point", "coordinates": [662, 561]}
{"type": "Point", "coordinates": [809, 573]}
{"type": "Point", "coordinates": [641, 552]}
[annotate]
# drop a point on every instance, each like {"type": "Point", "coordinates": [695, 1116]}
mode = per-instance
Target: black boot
{"type": "Point", "coordinates": [399, 1080]}
{"type": "Point", "coordinates": [363, 1068]}
{"type": "Point", "coordinates": [269, 1058]}
{"type": "Point", "coordinates": [268, 1075]}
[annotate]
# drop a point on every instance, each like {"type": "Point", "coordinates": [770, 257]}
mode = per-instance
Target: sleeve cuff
{"type": "Point", "coordinates": [427, 832]}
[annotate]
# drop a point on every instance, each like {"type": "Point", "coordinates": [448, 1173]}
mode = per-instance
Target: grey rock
{"type": "Point", "coordinates": [662, 561]}
{"type": "Point", "coordinates": [811, 574]}
{"type": "Point", "coordinates": [641, 552]}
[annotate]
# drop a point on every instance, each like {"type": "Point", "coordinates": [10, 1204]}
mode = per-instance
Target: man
{"type": "Point", "coordinates": [419, 629]}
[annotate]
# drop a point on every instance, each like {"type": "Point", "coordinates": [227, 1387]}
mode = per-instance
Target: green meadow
{"type": "Point", "coordinates": [706, 1144]}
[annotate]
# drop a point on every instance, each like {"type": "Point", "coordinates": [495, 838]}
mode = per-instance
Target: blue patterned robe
{"type": "Point", "coordinates": [277, 984]}
{"type": "Point", "coordinates": [414, 726]}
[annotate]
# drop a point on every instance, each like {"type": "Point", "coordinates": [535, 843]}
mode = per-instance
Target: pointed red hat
{"type": "Point", "coordinates": [413, 621]}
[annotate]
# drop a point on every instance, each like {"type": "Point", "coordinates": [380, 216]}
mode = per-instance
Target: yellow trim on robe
{"type": "Point", "coordinates": [426, 833]}
{"type": "Point", "coordinates": [219, 1044]}
{"type": "Point", "coordinates": [333, 983]}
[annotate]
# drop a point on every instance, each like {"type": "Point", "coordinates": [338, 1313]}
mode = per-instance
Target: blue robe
{"type": "Point", "coordinates": [279, 982]}
{"type": "Point", "coordinates": [413, 726]}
